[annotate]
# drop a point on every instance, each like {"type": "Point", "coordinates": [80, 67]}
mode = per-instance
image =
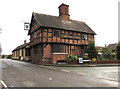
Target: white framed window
{"type": "Point", "coordinates": [84, 37]}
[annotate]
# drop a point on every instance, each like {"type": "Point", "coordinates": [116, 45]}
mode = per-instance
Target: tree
{"type": "Point", "coordinates": [92, 53]}
{"type": "Point", "coordinates": [118, 51]}
{"type": "Point", "coordinates": [106, 53]}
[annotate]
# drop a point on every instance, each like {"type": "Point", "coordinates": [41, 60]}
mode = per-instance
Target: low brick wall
{"type": "Point", "coordinates": [99, 62]}
{"type": "Point", "coordinates": [46, 61]}
{"type": "Point", "coordinates": [108, 61]}
{"type": "Point", "coordinates": [58, 56]}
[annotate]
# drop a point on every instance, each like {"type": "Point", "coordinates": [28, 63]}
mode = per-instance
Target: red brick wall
{"type": "Point", "coordinates": [58, 56]}
{"type": "Point", "coordinates": [38, 56]}
{"type": "Point", "coordinates": [47, 51]}
{"type": "Point", "coordinates": [65, 17]}
{"type": "Point", "coordinates": [36, 41]}
{"type": "Point", "coordinates": [107, 61]}
{"type": "Point", "coordinates": [64, 12]}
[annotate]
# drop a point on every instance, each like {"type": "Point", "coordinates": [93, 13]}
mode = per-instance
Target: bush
{"type": "Point", "coordinates": [72, 58]}
{"type": "Point", "coordinates": [80, 56]}
{"type": "Point", "coordinates": [106, 53]}
{"type": "Point", "coordinates": [84, 58]}
{"type": "Point", "coordinates": [118, 51]}
{"type": "Point", "coordinates": [92, 53]}
{"type": "Point", "coordinates": [113, 56]}
{"type": "Point", "coordinates": [9, 57]}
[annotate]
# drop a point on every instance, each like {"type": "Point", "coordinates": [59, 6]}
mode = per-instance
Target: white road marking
{"type": "Point", "coordinates": [29, 83]}
{"type": "Point", "coordinates": [110, 79]}
{"type": "Point", "coordinates": [41, 66]}
{"type": "Point", "coordinates": [51, 68]}
{"type": "Point", "coordinates": [12, 86]}
{"type": "Point", "coordinates": [46, 67]}
{"type": "Point", "coordinates": [54, 68]}
{"type": "Point", "coordinates": [3, 84]}
{"type": "Point", "coordinates": [82, 73]}
{"type": "Point", "coordinates": [50, 78]}
{"type": "Point", "coordinates": [65, 71]}
{"type": "Point", "coordinates": [106, 71]}
{"type": "Point", "coordinates": [92, 65]}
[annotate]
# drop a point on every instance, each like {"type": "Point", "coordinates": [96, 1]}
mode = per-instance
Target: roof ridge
{"type": "Point", "coordinates": [58, 17]}
{"type": "Point", "coordinates": [78, 21]}
{"type": "Point", "coordinates": [18, 47]}
{"type": "Point", "coordinates": [45, 14]}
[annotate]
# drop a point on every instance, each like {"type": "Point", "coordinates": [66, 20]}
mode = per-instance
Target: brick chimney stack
{"type": "Point", "coordinates": [25, 41]}
{"type": "Point", "coordinates": [64, 12]}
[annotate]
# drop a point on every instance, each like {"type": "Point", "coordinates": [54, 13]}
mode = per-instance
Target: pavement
{"type": "Point", "coordinates": [81, 65]}
{"type": "Point", "coordinates": [76, 65]}
{"type": "Point", "coordinates": [23, 74]}
{"type": "Point", "coordinates": [108, 73]}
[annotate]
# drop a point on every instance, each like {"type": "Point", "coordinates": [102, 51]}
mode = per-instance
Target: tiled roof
{"type": "Point", "coordinates": [21, 46]}
{"type": "Point", "coordinates": [99, 47]}
{"type": "Point", "coordinates": [113, 46]}
{"type": "Point", "coordinates": [57, 22]}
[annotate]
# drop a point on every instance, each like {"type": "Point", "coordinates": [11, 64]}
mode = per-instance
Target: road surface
{"type": "Point", "coordinates": [108, 73]}
{"type": "Point", "coordinates": [23, 74]}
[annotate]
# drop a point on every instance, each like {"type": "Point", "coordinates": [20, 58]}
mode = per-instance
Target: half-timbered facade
{"type": "Point", "coordinates": [53, 38]}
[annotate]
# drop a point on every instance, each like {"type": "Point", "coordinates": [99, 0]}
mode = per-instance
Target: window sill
{"type": "Point", "coordinates": [59, 53]}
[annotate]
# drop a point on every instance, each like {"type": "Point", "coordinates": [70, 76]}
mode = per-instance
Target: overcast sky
{"type": "Point", "coordinates": [100, 15]}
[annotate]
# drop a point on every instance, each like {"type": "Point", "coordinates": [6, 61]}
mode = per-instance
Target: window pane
{"type": "Point", "coordinates": [84, 37]}
{"type": "Point", "coordinates": [35, 49]}
{"type": "Point", "coordinates": [34, 34]}
{"type": "Point", "coordinates": [56, 33]}
{"type": "Point", "coordinates": [58, 48]}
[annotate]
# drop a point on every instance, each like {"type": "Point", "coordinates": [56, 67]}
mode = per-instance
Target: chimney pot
{"type": "Point", "coordinates": [25, 41]}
